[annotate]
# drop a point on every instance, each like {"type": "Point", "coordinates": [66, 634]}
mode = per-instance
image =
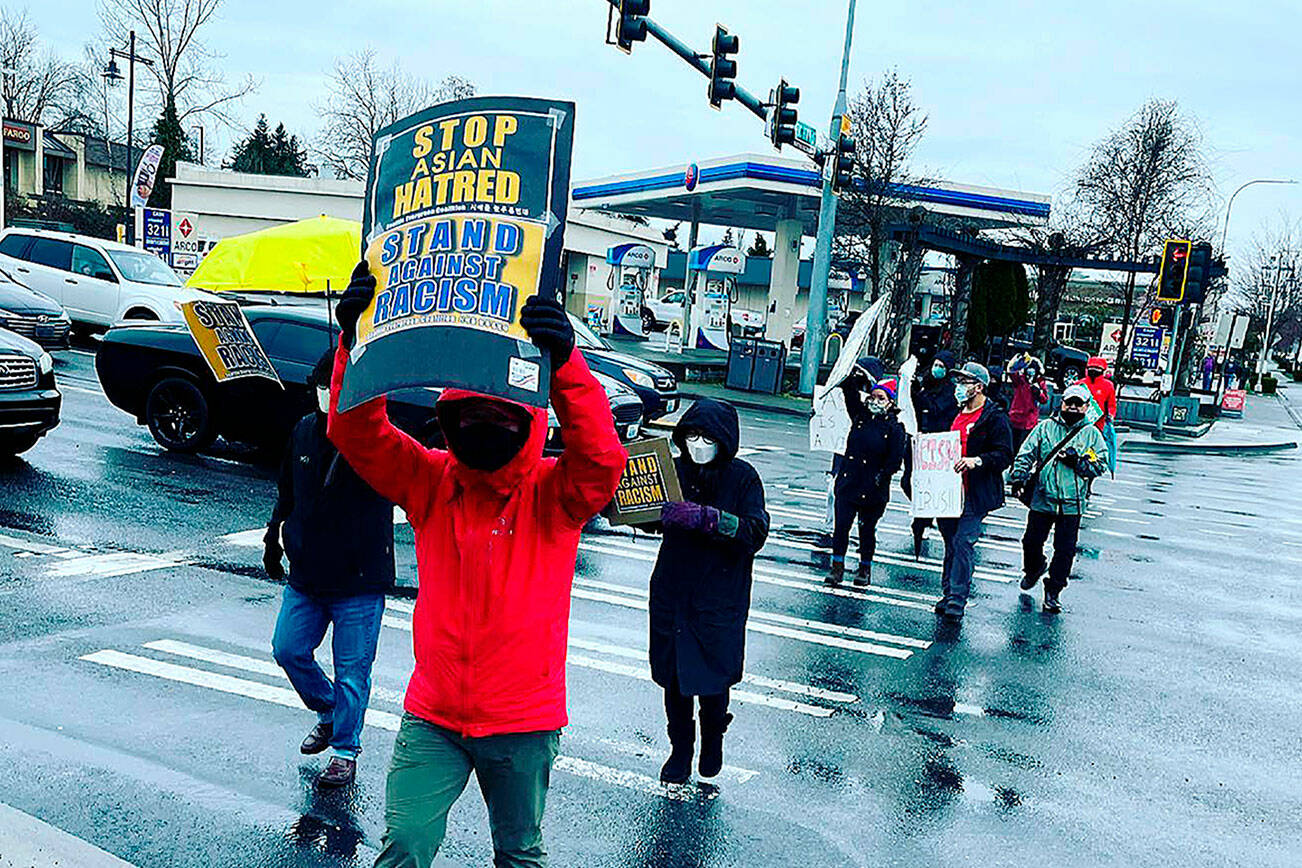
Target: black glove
{"type": "Point", "coordinates": [1071, 458]}
{"type": "Point", "coordinates": [271, 555]}
{"type": "Point", "coordinates": [548, 326]}
{"type": "Point", "coordinates": [361, 289]}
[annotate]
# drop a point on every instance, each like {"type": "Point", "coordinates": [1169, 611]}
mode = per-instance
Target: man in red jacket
{"type": "Point", "coordinates": [497, 530]}
{"type": "Point", "coordinates": [1105, 395]}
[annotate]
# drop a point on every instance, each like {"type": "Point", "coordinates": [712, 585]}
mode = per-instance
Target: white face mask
{"type": "Point", "coordinates": [323, 400]}
{"type": "Point", "coordinates": [877, 407]}
{"type": "Point", "coordinates": [701, 449]}
{"type": "Point", "coordinates": [962, 392]}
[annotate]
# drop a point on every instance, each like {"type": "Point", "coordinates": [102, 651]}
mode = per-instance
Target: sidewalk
{"type": "Point", "coordinates": [26, 842]}
{"type": "Point", "coordinates": [1270, 423]}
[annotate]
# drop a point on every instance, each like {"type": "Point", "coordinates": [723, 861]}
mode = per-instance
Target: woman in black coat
{"type": "Point", "coordinates": [700, 587]}
{"type": "Point", "coordinates": [874, 452]}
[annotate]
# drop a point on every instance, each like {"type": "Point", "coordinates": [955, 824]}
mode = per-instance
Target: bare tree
{"type": "Point", "coordinates": [38, 85]}
{"type": "Point", "coordinates": [363, 98]}
{"type": "Point", "coordinates": [168, 32]}
{"type": "Point", "coordinates": [886, 125]}
{"type": "Point", "coordinates": [1143, 183]}
{"type": "Point", "coordinates": [1272, 273]}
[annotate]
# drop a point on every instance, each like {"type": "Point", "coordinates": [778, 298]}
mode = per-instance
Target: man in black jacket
{"type": "Point", "coordinates": [338, 534]}
{"type": "Point", "coordinates": [987, 440]}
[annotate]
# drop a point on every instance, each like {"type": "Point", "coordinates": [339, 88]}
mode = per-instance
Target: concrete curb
{"type": "Point", "coordinates": [1206, 449]}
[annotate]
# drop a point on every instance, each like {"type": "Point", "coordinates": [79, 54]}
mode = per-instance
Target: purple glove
{"type": "Point", "coordinates": [690, 516]}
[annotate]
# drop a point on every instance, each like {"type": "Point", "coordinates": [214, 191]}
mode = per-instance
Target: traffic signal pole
{"type": "Point", "coordinates": [816, 318]}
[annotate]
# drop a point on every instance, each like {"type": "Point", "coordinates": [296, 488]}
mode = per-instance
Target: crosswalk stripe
{"type": "Point", "coordinates": [110, 564]}
{"type": "Point", "coordinates": [895, 530]}
{"type": "Point", "coordinates": [821, 626]}
{"type": "Point", "coordinates": [644, 674]}
{"type": "Point", "coordinates": [379, 719]}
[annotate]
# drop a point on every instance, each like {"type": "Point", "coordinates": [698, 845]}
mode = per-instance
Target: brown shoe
{"type": "Point", "coordinates": [318, 739]}
{"type": "Point", "coordinates": [340, 773]}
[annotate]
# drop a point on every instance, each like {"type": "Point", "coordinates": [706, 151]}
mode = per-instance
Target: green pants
{"type": "Point", "coordinates": [429, 771]}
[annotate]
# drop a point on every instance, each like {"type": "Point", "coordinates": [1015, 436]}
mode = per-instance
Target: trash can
{"type": "Point", "coordinates": [770, 362]}
{"type": "Point", "coordinates": [741, 363]}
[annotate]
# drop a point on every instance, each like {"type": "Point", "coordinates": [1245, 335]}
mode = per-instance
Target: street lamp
{"type": "Point", "coordinates": [1225, 233]}
{"type": "Point", "coordinates": [113, 75]}
{"type": "Point", "coordinates": [1280, 267]}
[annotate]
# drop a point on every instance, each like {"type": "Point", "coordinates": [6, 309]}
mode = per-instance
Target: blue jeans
{"type": "Point", "coordinates": [960, 536]}
{"type": "Point", "coordinates": [1110, 438]}
{"type": "Point", "coordinates": [300, 627]}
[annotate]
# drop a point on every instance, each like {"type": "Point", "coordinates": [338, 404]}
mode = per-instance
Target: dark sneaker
{"type": "Point", "coordinates": [1029, 582]}
{"type": "Point", "coordinates": [939, 608]}
{"type": "Point", "coordinates": [918, 535]}
{"type": "Point", "coordinates": [318, 739]}
{"type": "Point", "coordinates": [953, 611]}
{"type": "Point", "coordinates": [711, 762]}
{"type": "Point", "coordinates": [835, 575]}
{"type": "Point", "coordinates": [864, 576]}
{"type": "Point", "coordinates": [1051, 604]}
{"type": "Point", "coordinates": [340, 773]}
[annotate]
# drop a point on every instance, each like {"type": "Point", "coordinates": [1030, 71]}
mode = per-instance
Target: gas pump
{"type": "Point", "coordinates": [630, 271]}
{"type": "Point", "coordinates": [714, 289]}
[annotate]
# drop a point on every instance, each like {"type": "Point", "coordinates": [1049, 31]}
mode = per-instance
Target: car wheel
{"type": "Point", "coordinates": [178, 416]}
{"type": "Point", "coordinates": [648, 321]}
{"type": "Point", "coordinates": [141, 315]}
{"type": "Point", "coordinates": [17, 445]}
{"type": "Point", "coordinates": [1071, 373]}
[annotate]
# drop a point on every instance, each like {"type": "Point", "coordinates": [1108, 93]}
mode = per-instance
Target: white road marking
{"type": "Point", "coordinates": [642, 673]}
{"type": "Point", "coordinates": [23, 545]}
{"type": "Point", "coordinates": [731, 772]}
{"type": "Point", "coordinates": [250, 538]}
{"type": "Point", "coordinates": [380, 719]}
{"type": "Point", "coordinates": [248, 664]}
{"type": "Point", "coordinates": [111, 564]}
{"type": "Point", "coordinates": [822, 626]}
{"type": "Point", "coordinates": [64, 387]}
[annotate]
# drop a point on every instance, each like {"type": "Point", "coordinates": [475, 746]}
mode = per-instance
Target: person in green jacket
{"type": "Point", "coordinates": [1062, 490]}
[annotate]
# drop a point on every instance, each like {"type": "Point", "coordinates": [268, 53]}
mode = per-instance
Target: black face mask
{"type": "Point", "coordinates": [1072, 417]}
{"type": "Point", "coordinates": [485, 446]}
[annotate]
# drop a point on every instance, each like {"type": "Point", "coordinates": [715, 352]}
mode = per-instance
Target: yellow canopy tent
{"type": "Point", "coordinates": [297, 257]}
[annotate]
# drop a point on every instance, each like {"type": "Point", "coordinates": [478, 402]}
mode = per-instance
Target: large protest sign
{"type": "Point", "coordinates": [649, 482]}
{"type": "Point", "coordinates": [829, 425]}
{"type": "Point", "coordinates": [937, 487]}
{"type": "Point", "coordinates": [463, 222]}
{"type": "Point", "coordinates": [225, 340]}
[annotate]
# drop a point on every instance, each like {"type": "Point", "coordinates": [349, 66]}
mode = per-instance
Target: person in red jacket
{"type": "Point", "coordinates": [497, 531]}
{"type": "Point", "coordinates": [1105, 395]}
{"type": "Point", "coordinates": [1029, 391]}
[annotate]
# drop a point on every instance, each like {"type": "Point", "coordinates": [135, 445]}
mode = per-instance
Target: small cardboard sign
{"type": "Point", "coordinates": [649, 482]}
{"type": "Point", "coordinates": [937, 488]}
{"type": "Point", "coordinates": [222, 334]}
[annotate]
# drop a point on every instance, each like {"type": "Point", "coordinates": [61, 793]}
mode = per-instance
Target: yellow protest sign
{"type": "Point", "coordinates": [225, 340]}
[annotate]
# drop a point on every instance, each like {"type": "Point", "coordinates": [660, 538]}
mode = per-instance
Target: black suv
{"type": "Point", "coordinates": [29, 399]}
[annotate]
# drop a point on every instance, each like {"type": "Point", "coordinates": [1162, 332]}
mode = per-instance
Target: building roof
{"type": "Point", "coordinates": [106, 154]}
{"type": "Point", "coordinates": [754, 191]}
{"type": "Point", "coordinates": [55, 148]}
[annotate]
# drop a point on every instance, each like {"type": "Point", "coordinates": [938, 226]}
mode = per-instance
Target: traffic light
{"type": "Point", "coordinates": [1174, 271]}
{"type": "Point", "coordinates": [783, 129]}
{"type": "Point", "coordinates": [843, 164]}
{"type": "Point", "coordinates": [1199, 273]}
{"type": "Point", "coordinates": [723, 69]}
{"type": "Point", "coordinates": [1162, 317]}
{"type": "Point", "coordinates": [631, 26]}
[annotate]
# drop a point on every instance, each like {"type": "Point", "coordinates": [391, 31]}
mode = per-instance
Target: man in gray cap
{"type": "Point", "coordinates": [987, 440]}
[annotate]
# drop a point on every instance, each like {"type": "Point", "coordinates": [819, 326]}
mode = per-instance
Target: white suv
{"type": "Point", "coordinates": [98, 282]}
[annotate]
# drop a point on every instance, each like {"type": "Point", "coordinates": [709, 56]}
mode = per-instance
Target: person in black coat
{"type": "Point", "coordinates": [701, 584]}
{"type": "Point", "coordinates": [338, 534]}
{"type": "Point", "coordinates": [987, 438]}
{"type": "Point", "coordinates": [935, 407]}
{"type": "Point", "coordinates": [874, 451]}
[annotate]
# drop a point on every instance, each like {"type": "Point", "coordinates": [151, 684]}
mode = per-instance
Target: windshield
{"type": "Point", "coordinates": [143, 268]}
{"type": "Point", "coordinates": [585, 337]}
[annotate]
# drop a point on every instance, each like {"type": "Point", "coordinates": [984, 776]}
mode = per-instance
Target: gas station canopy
{"type": "Point", "coordinates": [752, 191]}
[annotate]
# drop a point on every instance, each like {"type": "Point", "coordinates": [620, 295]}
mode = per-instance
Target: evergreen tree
{"type": "Point", "coordinates": [169, 133]}
{"type": "Point", "coordinates": [266, 153]}
{"type": "Point", "coordinates": [290, 155]}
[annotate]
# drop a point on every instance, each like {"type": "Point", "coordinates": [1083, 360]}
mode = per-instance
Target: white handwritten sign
{"type": "Point", "coordinates": [937, 489]}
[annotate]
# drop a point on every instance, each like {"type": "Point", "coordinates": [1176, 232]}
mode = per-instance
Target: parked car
{"type": "Point", "coordinates": [97, 282]}
{"type": "Point", "coordinates": [29, 397]}
{"type": "Point", "coordinates": [33, 315]}
{"type": "Point", "coordinates": [154, 372]}
{"type": "Point", "coordinates": [655, 386]}
{"type": "Point", "coordinates": [657, 313]}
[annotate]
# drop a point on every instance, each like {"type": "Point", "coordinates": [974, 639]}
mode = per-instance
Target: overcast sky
{"type": "Point", "coordinates": [1016, 91]}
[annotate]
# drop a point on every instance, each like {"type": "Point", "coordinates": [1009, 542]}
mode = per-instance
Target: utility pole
{"type": "Point", "coordinates": [816, 318]}
{"type": "Point", "coordinates": [1280, 268]}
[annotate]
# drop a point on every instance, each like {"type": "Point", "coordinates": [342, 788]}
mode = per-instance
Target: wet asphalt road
{"type": "Point", "coordinates": [1152, 724]}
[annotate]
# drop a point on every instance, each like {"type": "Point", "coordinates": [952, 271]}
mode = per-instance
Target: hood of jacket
{"type": "Point", "coordinates": [718, 419]}
{"type": "Point", "coordinates": [518, 468]}
{"type": "Point", "coordinates": [1097, 362]}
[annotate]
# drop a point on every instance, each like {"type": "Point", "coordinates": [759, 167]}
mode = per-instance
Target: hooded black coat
{"type": "Point", "coordinates": [934, 401]}
{"type": "Point", "coordinates": [874, 451]}
{"type": "Point", "coordinates": [338, 532]}
{"type": "Point", "coordinates": [701, 584]}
